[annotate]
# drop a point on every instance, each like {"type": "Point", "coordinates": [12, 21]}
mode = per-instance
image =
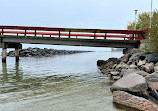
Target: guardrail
{"type": "Point", "coordinates": [68, 32]}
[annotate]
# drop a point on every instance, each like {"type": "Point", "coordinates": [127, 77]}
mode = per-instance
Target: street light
{"type": "Point", "coordinates": [151, 12]}
{"type": "Point", "coordinates": [135, 18]}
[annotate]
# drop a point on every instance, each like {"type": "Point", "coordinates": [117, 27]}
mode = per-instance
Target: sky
{"type": "Point", "coordinates": [98, 14]}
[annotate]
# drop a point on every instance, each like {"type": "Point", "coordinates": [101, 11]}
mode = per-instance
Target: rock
{"type": "Point", "coordinates": [141, 58]}
{"type": "Point", "coordinates": [37, 52]}
{"type": "Point", "coordinates": [133, 83]}
{"type": "Point", "coordinates": [141, 62]}
{"type": "Point", "coordinates": [129, 63]}
{"type": "Point", "coordinates": [116, 77]}
{"type": "Point", "coordinates": [143, 73]}
{"type": "Point", "coordinates": [125, 72]}
{"type": "Point", "coordinates": [152, 58]}
{"type": "Point", "coordinates": [101, 62]}
{"type": "Point", "coordinates": [156, 68]}
{"type": "Point", "coordinates": [132, 66]}
{"type": "Point", "coordinates": [153, 85]}
{"type": "Point", "coordinates": [122, 65]}
{"type": "Point", "coordinates": [134, 57]}
{"type": "Point", "coordinates": [152, 77]}
{"type": "Point", "coordinates": [132, 101]}
{"type": "Point", "coordinates": [149, 67]}
{"type": "Point", "coordinates": [125, 58]}
{"type": "Point", "coordinates": [114, 73]}
{"type": "Point", "coordinates": [156, 64]}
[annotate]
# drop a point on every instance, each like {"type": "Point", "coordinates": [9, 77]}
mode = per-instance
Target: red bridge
{"type": "Point", "coordinates": [14, 36]}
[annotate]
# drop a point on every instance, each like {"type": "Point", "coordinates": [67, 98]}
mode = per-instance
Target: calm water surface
{"type": "Point", "coordinates": [58, 83]}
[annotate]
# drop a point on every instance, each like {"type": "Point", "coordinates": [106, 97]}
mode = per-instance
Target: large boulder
{"type": "Point", "coordinates": [125, 72]}
{"type": "Point", "coordinates": [152, 77]}
{"type": "Point", "coordinates": [132, 101]}
{"type": "Point", "coordinates": [149, 67]}
{"type": "Point", "coordinates": [132, 83]}
{"type": "Point", "coordinates": [152, 57]}
{"type": "Point", "coordinates": [101, 62]}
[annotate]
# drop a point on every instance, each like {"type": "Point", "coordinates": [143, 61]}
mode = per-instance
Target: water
{"type": "Point", "coordinates": [58, 83]}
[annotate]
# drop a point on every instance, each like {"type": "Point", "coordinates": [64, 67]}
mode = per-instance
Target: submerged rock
{"type": "Point", "coordinates": [132, 101]}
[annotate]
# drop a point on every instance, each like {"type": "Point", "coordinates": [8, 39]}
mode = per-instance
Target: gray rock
{"type": "Point", "coordinates": [152, 58]}
{"type": "Point", "coordinates": [131, 83]}
{"type": "Point", "coordinates": [152, 77]}
{"type": "Point", "coordinates": [125, 72]}
{"type": "Point", "coordinates": [132, 101]}
{"type": "Point", "coordinates": [143, 73]}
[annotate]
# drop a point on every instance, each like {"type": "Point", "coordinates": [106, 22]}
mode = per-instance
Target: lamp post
{"type": "Point", "coordinates": [135, 18]}
{"type": "Point", "coordinates": [151, 12]}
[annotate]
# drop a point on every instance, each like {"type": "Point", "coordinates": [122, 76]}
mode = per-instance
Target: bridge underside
{"type": "Point", "coordinates": [69, 42]}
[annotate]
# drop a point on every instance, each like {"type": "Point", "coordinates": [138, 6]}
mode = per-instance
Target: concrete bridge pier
{"type": "Point", "coordinates": [4, 54]}
{"type": "Point", "coordinates": [127, 51]}
{"type": "Point", "coordinates": [4, 46]}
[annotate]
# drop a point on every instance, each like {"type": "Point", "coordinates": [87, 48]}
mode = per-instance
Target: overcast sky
{"type": "Point", "coordinates": [104, 14]}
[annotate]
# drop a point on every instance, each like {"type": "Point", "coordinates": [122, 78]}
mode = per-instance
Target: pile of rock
{"type": "Point", "coordinates": [37, 52]}
{"type": "Point", "coordinates": [133, 77]}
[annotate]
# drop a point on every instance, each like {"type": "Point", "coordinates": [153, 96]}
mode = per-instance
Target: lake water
{"type": "Point", "coordinates": [57, 83]}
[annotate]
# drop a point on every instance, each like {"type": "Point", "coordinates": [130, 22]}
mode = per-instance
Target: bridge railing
{"type": "Point", "coordinates": [68, 32]}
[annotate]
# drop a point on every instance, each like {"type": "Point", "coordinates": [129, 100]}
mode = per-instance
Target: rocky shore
{"type": "Point", "coordinates": [133, 79]}
{"type": "Point", "coordinates": [37, 52]}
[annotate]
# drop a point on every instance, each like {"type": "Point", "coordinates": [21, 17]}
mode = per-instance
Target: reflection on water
{"type": "Point", "coordinates": [59, 83]}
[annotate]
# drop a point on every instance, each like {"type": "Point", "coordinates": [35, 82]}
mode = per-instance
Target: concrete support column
{"type": "Point", "coordinates": [127, 51]}
{"type": "Point", "coordinates": [4, 54]}
{"type": "Point", "coordinates": [17, 54]}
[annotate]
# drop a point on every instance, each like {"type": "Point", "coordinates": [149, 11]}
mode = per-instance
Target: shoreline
{"type": "Point", "coordinates": [133, 79]}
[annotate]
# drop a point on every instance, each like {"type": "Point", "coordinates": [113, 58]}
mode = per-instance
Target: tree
{"type": "Point", "coordinates": [143, 22]}
{"type": "Point", "coordinates": [153, 42]}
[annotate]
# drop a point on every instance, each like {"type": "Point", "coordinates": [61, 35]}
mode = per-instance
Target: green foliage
{"type": "Point", "coordinates": [153, 33]}
{"type": "Point", "coordinates": [143, 22]}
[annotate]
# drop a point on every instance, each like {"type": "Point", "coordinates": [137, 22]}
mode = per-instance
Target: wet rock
{"type": "Point", "coordinates": [101, 62]}
{"type": "Point", "coordinates": [133, 83]}
{"type": "Point", "coordinates": [132, 101]}
{"type": "Point", "coordinates": [148, 67]}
